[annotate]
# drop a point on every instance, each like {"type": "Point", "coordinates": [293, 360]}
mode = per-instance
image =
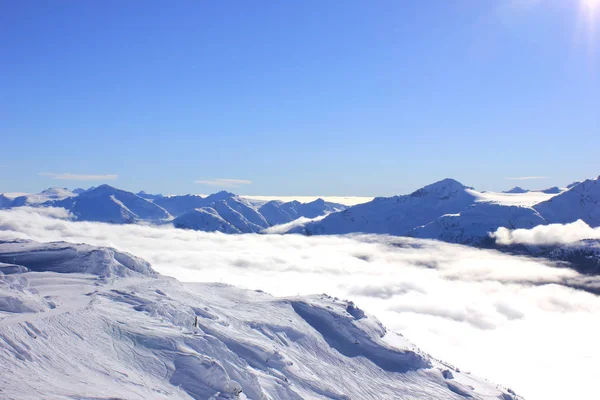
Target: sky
{"type": "Point", "coordinates": [298, 98]}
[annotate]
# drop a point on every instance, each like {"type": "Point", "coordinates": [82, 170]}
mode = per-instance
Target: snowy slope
{"type": "Point", "coordinates": [473, 224]}
{"type": "Point", "coordinates": [117, 330]}
{"type": "Point", "coordinates": [399, 214]}
{"type": "Point", "coordinates": [179, 205]}
{"type": "Point", "coordinates": [108, 204]}
{"type": "Point", "coordinates": [277, 212]}
{"type": "Point", "coordinates": [148, 196]}
{"type": "Point", "coordinates": [243, 214]}
{"type": "Point", "coordinates": [47, 195]}
{"type": "Point", "coordinates": [205, 219]}
{"type": "Point", "coordinates": [582, 201]}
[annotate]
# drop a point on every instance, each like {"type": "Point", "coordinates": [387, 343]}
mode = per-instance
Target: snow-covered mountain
{"type": "Point", "coordinates": [148, 196]}
{"type": "Point", "coordinates": [78, 321]}
{"type": "Point", "coordinates": [222, 211]}
{"type": "Point", "coordinates": [179, 205]}
{"type": "Point", "coordinates": [452, 212]}
{"type": "Point", "coordinates": [399, 214]}
{"type": "Point", "coordinates": [516, 190]}
{"type": "Point", "coordinates": [582, 201]}
{"type": "Point", "coordinates": [242, 215]}
{"type": "Point", "coordinates": [473, 224]}
{"type": "Point", "coordinates": [205, 219]}
{"type": "Point", "coordinates": [277, 212]}
{"type": "Point", "coordinates": [48, 195]}
{"type": "Point", "coordinates": [108, 204]}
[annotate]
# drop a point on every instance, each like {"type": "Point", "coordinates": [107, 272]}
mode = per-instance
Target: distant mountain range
{"type": "Point", "coordinates": [449, 211]}
{"type": "Point", "coordinates": [446, 210]}
{"type": "Point", "coordinates": [224, 211]}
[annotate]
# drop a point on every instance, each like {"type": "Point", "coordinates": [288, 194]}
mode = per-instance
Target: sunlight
{"type": "Point", "coordinates": [590, 6]}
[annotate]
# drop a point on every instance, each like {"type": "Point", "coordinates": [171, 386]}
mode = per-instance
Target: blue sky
{"type": "Point", "coordinates": [298, 98]}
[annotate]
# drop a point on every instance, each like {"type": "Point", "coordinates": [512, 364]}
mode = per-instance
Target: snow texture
{"type": "Point", "coordinates": [84, 322]}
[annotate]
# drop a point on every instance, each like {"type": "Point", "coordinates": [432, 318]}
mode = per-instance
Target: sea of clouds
{"type": "Point", "coordinates": [514, 320]}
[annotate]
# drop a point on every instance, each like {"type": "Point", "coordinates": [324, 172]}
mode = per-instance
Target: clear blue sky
{"type": "Point", "coordinates": [311, 97]}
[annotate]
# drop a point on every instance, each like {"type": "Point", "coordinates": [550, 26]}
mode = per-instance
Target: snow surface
{"type": "Point", "coordinates": [87, 322]}
{"type": "Point", "coordinates": [474, 223]}
{"type": "Point", "coordinates": [526, 199]}
{"type": "Point", "coordinates": [582, 202]}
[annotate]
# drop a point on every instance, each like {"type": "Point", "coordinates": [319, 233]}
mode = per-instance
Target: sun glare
{"type": "Point", "coordinates": [590, 7]}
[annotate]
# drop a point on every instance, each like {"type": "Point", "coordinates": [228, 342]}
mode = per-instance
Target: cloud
{"type": "Point", "coordinates": [79, 177]}
{"type": "Point", "coordinates": [223, 182]}
{"type": "Point", "coordinates": [514, 320]}
{"type": "Point", "coordinates": [526, 178]}
{"type": "Point", "coordinates": [283, 228]}
{"type": "Point", "coordinates": [547, 234]}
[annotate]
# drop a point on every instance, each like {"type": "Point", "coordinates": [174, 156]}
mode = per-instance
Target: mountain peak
{"type": "Point", "coordinates": [443, 189]}
{"type": "Point", "coordinates": [516, 190]}
{"type": "Point", "coordinates": [222, 195]}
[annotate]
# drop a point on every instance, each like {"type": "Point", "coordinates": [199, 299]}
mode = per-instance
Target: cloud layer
{"type": "Point", "coordinates": [513, 320]}
{"type": "Point", "coordinates": [79, 177]}
{"type": "Point", "coordinates": [547, 234]}
{"type": "Point", "coordinates": [223, 182]}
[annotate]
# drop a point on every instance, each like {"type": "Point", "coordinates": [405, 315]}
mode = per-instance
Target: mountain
{"type": "Point", "coordinates": [5, 201]}
{"type": "Point", "coordinates": [79, 321]}
{"type": "Point", "coordinates": [231, 207]}
{"type": "Point", "coordinates": [552, 190]}
{"type": "Point", "coordinates": [224, 212]}
{"type": "Point", "coordinates": [452, 212]}
{"type": "Point", "coordinates": [45, 196]}
{"type": "Point", "coordinates": [148, 196]}
{"type": "Point", "coordinates": [473, 224]}
{"type": "Point", "coordinates": [277, 212]}
{"type": "Point", "coordinates": [517, 190]}
{"type": "Point", "coordinates": [204, 219]}
{"type": "Point", "coordinates": [399, 214]}
{"type": "Point", "coordinates": [582, 201]}
{"type": "Point", "coordinates": [229, 213]}
{"type": "Point", "coordinates": [108, 204]}
{"type": "Point", "coordinates": [179, 205]}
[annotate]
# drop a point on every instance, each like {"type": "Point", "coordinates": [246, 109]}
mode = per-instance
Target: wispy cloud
{"type": "Point", "coordinates": [223, 182]}
{"type": "Point", "coordinates": [67, 176]}
{"type": "Point", "coordinates": [526, 178]}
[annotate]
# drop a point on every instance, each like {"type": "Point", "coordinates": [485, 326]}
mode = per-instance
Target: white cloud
{"type": "Point", "coordinates": [547, 234]}
{"type": "Point", "coordinates": [79, 177]}
{"type": "Point", "coordinates": [526, 178]}
{"type": "Point", "coordinates": [223, 182]}
{"type": "Point", "coordinates": [283, 228]}
{"type": "Point", "coordinates": [513, 320]}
